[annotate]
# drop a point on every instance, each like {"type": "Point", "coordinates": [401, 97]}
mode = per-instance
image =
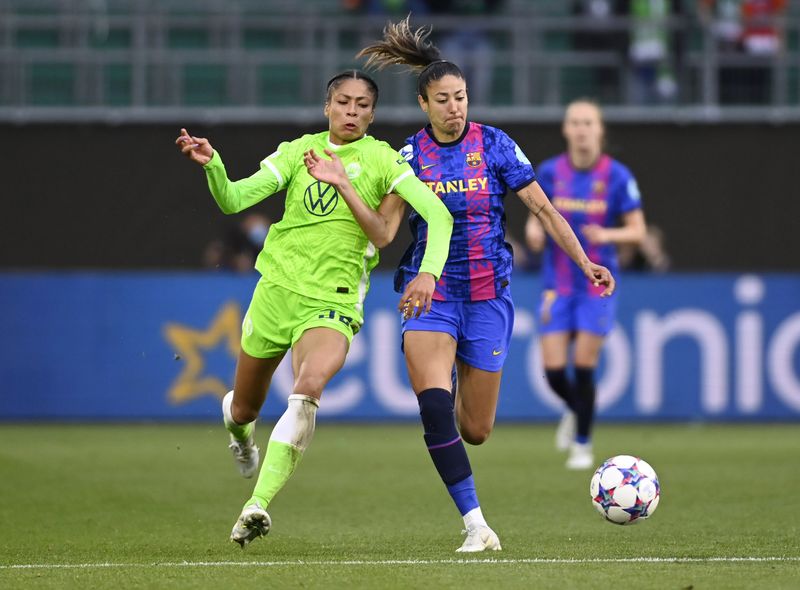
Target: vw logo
{"type": "Point", "coordinates": [320, 199]}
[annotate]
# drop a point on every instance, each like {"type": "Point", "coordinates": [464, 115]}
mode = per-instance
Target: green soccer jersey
{"type": "Point", "coordinates": [318, 249]}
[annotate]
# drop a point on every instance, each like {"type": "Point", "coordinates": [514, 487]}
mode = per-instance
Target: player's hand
{"type": "Point", "coordinates": [545, 312]}
{"type": "Point", "coordinates": [328, 171]}
{"type": "Point", "coordinates": [197, 149]}
{"type": "Point", "coordinates": [418, 296]}
{"type": "Point", "coordinates": [600, 275]}
{"type": "Point", "coordinates": [595, 234]}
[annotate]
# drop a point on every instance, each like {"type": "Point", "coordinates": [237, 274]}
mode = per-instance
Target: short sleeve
{"type": "Point", "coordinates": [394, 166]}
{"type": "Point", "coordinates": [628, 195]}
{"type": "Point", "coordinates": [282, 162]}
{"type": "Point", "coordinates": [513, 165]}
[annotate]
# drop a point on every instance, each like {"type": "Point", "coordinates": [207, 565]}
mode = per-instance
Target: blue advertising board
{"type": "Point", "coordinates": [162, 346]}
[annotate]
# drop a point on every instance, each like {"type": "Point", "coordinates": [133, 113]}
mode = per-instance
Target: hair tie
{"type": "Point", "coordinates": [433, 63]}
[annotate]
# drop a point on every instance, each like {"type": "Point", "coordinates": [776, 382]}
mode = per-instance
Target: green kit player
{"type": "Point", "coordinates": [315, 269]}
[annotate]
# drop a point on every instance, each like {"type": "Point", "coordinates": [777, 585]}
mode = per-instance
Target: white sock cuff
{"type": "Point", "coordinates": [226, 408]}
{"type": "Point", "coordinates": [474, 517]}
{"type": "Point", "coordinates": [304, 398]}
{"type": "Point", "coordinates": [296, 426]}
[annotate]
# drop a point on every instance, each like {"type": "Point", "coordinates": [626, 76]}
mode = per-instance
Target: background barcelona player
{"type": "Point", "coordinates": [470, 167]}
{"type": "Point", "coordinates": [600, 198]}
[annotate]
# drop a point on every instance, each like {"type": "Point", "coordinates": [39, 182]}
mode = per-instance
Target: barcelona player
{"type": "Point", "coordinates": [600, 198]}
{"type": "Point", "coordinates": [470, 167]}
{"type": "Point", "coordinates": [315, 269]}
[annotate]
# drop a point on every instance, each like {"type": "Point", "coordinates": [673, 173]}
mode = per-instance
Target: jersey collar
{"type": "Point", "coordinates": [429, 131]}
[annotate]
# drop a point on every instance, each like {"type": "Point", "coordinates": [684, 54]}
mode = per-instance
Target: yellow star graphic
{"type": "Point", "coordinates": [187, 342]}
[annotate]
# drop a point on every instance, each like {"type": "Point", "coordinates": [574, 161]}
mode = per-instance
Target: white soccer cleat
{"type": "Point", "coordinates": [580, 456]}
{"type": "Point", "coordinates": [565, 433]}
{"type": "Point", "coordinates": [246, 456]}
{"type": "Point", "coordinates": [253, 522]}
{"type": "Point", "coordinates": [479, 538]}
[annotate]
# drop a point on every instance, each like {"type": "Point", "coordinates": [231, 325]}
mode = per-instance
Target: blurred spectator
{"type": "Point", "coordinates": [239, 248]}
{"type": "Point", "coordinates": [650, 51]}
{"type": "Point", "coordinates": [753, 27]}
{"type": "Point", "coordinates": [649, 256]}
{"type": "Point", "coordinates": [525, 259]}
{"type": "Point", "coordinates": [723, 17]}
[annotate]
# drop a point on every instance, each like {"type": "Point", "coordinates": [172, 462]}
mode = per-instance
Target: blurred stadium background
{"type": "Point", "coordinates": [108, 237]}
{"type": "Point", "coordinates": [122, 291]}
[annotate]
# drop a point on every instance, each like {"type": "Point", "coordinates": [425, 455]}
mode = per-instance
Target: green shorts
{"type": "Point", "coordinates": [277, 318]}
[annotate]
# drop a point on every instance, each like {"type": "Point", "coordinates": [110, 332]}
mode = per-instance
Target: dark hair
{"type": "Point", "coordinates": [404, 47]}
{"type": "Point", "coordinates": [337, 80]}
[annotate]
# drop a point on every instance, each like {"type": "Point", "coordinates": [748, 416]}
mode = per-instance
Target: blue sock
{"type": "Point", "coordinates": [584, 402]}
{"type": "Point", "coordinates": [464, 495]}
{"type": "Point", "coordinates": [446, 447]}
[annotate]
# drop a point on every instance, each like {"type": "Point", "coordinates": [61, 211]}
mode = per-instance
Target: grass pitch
{"type": "Point", "coordinates": [152, 506]}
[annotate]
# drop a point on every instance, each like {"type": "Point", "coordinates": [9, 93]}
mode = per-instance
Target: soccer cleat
{"type": "Point", "coordinates": [246, 456]}
{"type": "Point", "coordinates": [580, 456]}
{"type": "Point", "coordinates": [253, 522]}
{"type": "Point", "coordinates": [479, 538]}
{"type": "Point", "coordinates": [565, 433]}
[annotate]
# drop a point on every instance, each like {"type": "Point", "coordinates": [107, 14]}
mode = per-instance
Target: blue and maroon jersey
{"type": "Point", "coordinates": [599, 195]}
{"type": "Point", "coordinates": [471, 175]}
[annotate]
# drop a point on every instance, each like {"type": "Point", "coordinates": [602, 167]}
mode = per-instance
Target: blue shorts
{"type": "Point", "coordinates": [579, 312]}
{"type": "Point", "coordinates": [481, 329]}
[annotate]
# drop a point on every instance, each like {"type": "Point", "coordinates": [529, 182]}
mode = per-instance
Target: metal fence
{"type": "Point", "coordinates": [217, 61]}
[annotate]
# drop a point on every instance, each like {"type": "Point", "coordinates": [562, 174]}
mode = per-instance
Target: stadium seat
{"type": "Point", "coordinates": [279, 85]}
{"type": "Point", "coordinates": [51, 84]}
{"type": "Point", "coordinates": [204, 85]}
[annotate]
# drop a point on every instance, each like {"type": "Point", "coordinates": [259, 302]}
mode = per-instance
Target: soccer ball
{"type": "Point", "coordinates": [625, 489]}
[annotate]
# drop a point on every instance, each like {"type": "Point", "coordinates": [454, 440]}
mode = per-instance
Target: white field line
{"type": "Point", "coordinates": [388, 562]}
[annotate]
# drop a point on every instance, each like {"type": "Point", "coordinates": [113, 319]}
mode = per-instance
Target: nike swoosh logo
{"type": "Point", "coordinates": [425, 167]}
{"type": "Point", "coordinates": [496, 352]}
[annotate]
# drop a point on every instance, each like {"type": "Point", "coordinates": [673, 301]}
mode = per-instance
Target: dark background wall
{"type": "Point", "coordinates": [100, 196]}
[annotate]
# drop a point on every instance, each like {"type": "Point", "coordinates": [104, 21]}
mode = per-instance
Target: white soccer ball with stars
{"type": "Point", "coordinates": [625, 489]}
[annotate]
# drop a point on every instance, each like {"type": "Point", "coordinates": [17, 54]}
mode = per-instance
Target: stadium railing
{"type": "Point", "coordinates": [219, 61]}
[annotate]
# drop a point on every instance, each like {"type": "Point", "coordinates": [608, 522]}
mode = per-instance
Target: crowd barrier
{"type": "Point", "coordinates": [162, 346]}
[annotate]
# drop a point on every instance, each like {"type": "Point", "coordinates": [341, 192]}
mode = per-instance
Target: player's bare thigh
{"type": "Point", "coordinates": [429, 359]}
{"type": "Point", "coordinates": [555, 349]}
{"type": "Point", "coordinates": [476, 402]}
{"type": "Point", "coordinates": [253, 377]}
{"type": "Point", "coordinates": [587, 349]}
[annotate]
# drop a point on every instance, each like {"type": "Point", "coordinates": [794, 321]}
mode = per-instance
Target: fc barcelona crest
{"type": "Point", "coordinates": [474, 159]}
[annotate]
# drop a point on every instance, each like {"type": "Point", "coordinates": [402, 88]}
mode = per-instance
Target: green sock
{"type": "Point", "coordinates": [279, 464]}
{"type": "Point", "coordinates": [240, 432]}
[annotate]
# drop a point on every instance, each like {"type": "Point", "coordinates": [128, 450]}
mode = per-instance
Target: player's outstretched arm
{"type": "Point", "coordinates": [557, 228]}
{"type": "Point", "coordinates": [231, 197]}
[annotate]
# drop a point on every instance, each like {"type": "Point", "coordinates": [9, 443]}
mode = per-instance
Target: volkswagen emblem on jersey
{"type": "Point", "coordinates": [320, 199]}
{"type": "Point", "coordinates": [474, 159]}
